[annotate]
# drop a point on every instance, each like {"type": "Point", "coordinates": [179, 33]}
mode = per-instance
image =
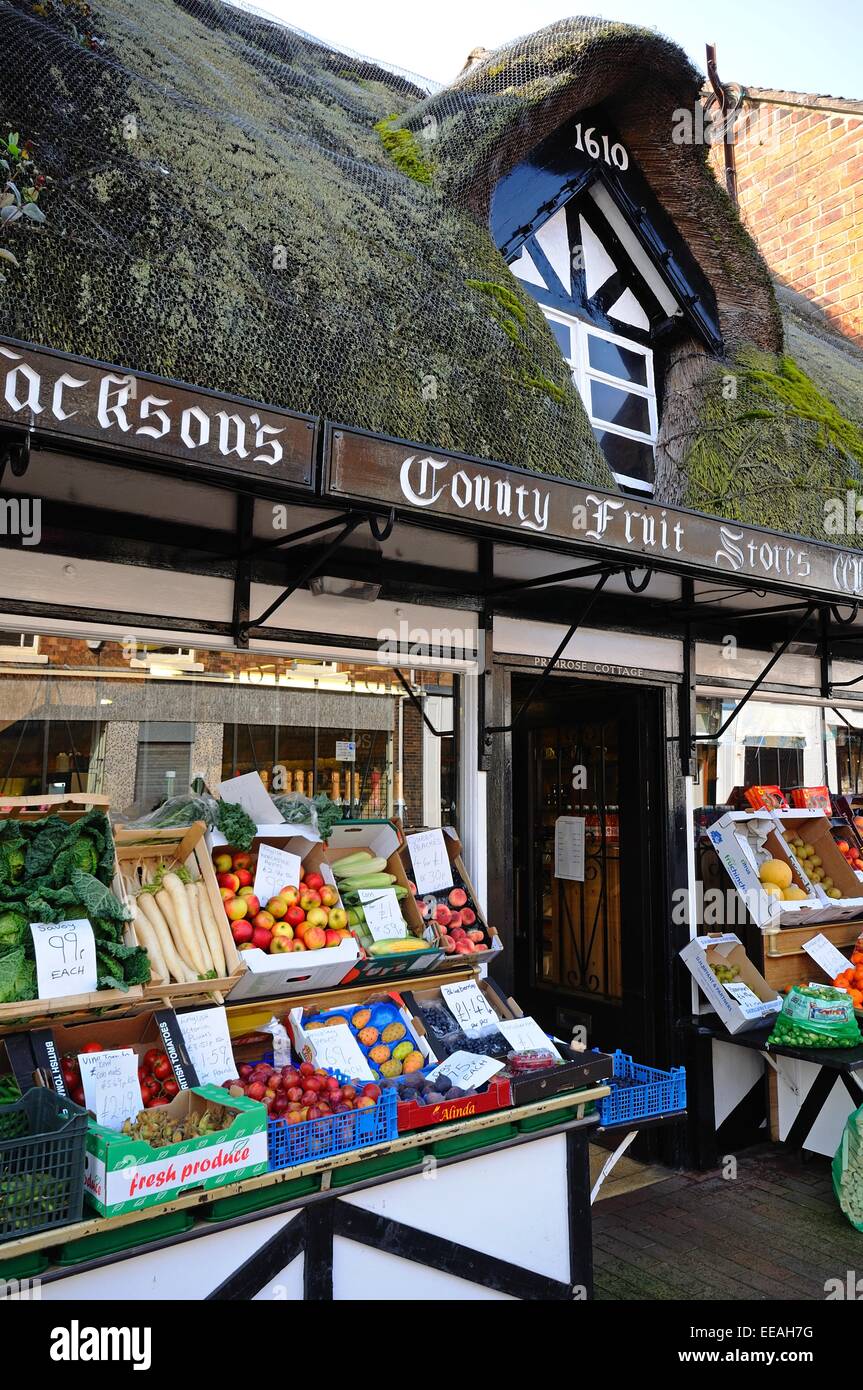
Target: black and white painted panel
{"type": "Point", "coordinates": [508, 1201]}
{"type": "Point", "coordinates": [186, 1271]}
{"type": "Point", "coordinates": [814, 1104]}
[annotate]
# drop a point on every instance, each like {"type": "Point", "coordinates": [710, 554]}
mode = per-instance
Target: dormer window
{"type": "Point", "coordinates": [582, 231]}
{"type": "Point", "coordinates": [614, 377]}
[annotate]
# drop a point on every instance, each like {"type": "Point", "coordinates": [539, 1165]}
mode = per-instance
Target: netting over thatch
{"type": "Point", "coordinates": [236, 205]}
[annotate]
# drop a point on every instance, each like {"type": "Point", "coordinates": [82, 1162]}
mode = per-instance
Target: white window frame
{"type": "Point", "coordinates": [583, 373]}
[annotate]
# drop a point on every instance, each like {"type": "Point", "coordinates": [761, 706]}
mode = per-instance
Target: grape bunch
{"type": "Point", "coordinates": [725, 974]}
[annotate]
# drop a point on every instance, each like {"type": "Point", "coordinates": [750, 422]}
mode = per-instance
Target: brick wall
{"type": "Point", "coordinates": [799, 166]}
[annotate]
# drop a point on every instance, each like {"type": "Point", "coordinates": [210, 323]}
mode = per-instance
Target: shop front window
{"type": "Point", "coordinates": [158, 717]}
{"type": "Point", "coordinates": [768, 744]}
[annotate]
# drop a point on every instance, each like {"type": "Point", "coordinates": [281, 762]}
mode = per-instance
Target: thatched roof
{"type": "Point", "coordinates": [238, 206]}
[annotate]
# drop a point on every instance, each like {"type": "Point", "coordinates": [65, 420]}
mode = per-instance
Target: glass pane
{"type": "Point", "coordinates": [627, 457]}
{"type": "Point", "coordinates": [581, 921]}
{"type": "Point", "coordinates": [619, 407]}
{"type": "Point", "coordinates": [616, 361]}
{"type": "Point", "coordinates": [562, 334]}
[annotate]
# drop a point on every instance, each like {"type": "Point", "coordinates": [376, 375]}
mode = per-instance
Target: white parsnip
{"type": "Point", "coordinates": [166, 907]}
{"type": "Point", "coordinates": [191, 897]}
{"type": "Point", "coordinates": [146, 937]}
{"type": "Point", "coordinates": [193, 952]}
{"type": "Point", "coordinates": [211, 929]}
{"type": "Point", "coordinates": [151, 911]}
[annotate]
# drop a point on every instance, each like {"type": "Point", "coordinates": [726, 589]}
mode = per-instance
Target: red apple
{"type": "Point", "coordinates": [315, 939]}
{"type": "Point", "coordinates": [264, 919]}
{"type": "Point", "coordinates": [243, 860]}
{"type": "Point", "coordinates": [295, 1093]}
{"type": "Point", "coordinates": [290, 894]}
{"type": "Point", "coordinates": [242, 932]}
{"type": "Point", "coordinates": [256, 1091]}
{"type": "Point", "coordinates": [295, 916]}
{"type": "Point", "coordinates": [245, 878]}
{"type": "Point", "coordinates": [370, 1089]}
{"type": "Point", "coordinates": [314, 880]}
{"type": "Point", "coordinates": [332, 938]}
{"type": "Point", "coordinates": [262, 938]}
{"type": "Point", "coordinates": [309, 898]}
{"type": "Point", "coordinates": [222, 863]}
{"type": "Point", "coordinates": [329, 895]}
{"type": "Point", "coordinates": [229, 881]}
{"type": "Point", "coordinates": [277, 907]}
{"type": "Point", "coordinates": [237, 908]}
{"type": "Point", "coordinates": [307, 1069]}
{"type": "Point", "coordinates": [280, 945]}
{"type": "Point", "coordinates": [248, 897]}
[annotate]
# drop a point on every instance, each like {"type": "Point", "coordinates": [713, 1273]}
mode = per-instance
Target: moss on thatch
{"type": "Point", "coordinates": [404, 150]}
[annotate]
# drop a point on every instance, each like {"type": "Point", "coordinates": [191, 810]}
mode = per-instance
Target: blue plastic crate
{"type": "Point", "coordinates": [656, 1092]}
{"type": "Point", "coordinates": [332, 1134]}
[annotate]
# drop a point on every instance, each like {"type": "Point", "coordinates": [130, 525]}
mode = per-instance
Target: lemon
{"type": "Point", "coordinates": [793, 894]}
{"type": "Point", "coordinates": [775, 871]}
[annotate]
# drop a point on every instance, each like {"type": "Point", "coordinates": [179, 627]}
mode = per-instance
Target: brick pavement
{"type": "Point", "coordinates": [775, 1232]}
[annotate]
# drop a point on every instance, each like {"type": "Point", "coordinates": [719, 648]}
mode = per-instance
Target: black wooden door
{"type": "Point", "coordinates": [587, 756]}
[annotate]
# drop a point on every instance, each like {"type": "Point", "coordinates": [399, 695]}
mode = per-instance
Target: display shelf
{"type": "Point", "coordinates": [413, 1139]}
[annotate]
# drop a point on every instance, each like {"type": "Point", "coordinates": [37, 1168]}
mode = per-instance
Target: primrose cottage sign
{"type": "Point", "coordinates": [532, 506]}
{"type": "Point", "coordinates": [73, 399]}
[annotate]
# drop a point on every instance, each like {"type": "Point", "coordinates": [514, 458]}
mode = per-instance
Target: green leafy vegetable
{"type": "Point", "coordinates": [236, 825]}
{"type": "Point", "coordinates": [17, 976]}
{"type": "Point", "coordinates": [13, 929]}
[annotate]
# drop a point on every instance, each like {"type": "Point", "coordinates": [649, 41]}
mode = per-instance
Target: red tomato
{"type": "Point", "coordinates": [78, 1095]}
{"type": "Point", "coordinates": [152, 1057]}
{"type": "Point", "coordinates": [163, 1069]}
{"type": "Point", "coordinates": [93, 1047]}
{"type": "Point", "coordinates": [149, 1089]}
{"type": "Point", "coordinates": [158, 1101]}
{"type": "Point", "coordinates": [170, 1088]}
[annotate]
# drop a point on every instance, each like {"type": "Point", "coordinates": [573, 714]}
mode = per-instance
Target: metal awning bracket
{"type": "Point", "coordinates": [491, 729]}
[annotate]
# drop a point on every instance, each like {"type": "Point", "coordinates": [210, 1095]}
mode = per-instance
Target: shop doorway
{"type": "Point", "coordinates": [586, 947]}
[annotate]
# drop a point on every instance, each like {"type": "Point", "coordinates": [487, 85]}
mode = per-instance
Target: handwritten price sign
{"type": "Point", "coordinates": [111, 1086]}
{"type": "Point", "coordinates": [469, 1006]}
{"type": "Point", "coordinates": [65, 958]}
{"type": "Point", "coordinates": [205, 1033]}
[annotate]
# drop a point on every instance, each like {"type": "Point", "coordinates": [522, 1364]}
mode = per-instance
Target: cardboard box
{"type": "Point", "coordinates": [384, 840]}
{"type": "Point", "coordinates": [296, 972]}
{"type": "Point", "coordinates": [125, 1174]}
{"type": "Point", "coordinates": [456, 960]}
{"type": "Point", "coordinates": [811, 799]}
{"type": "Point", "coordinates": [743, 839]}
{"type": "Point", "coordinates": [159, 1028]}
{"type": "Point", "coordinates": [576, 1069]}
{"type": "Point", "coordinates": [813, 827]}
{"type": "Point", "coordinates": [495, 1095]}
{"type": "Point", "coordinates": [702, 952]}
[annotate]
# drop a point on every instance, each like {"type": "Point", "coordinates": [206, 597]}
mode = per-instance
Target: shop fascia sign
{"type": "Point", "coordinates": [536, 507]}
{"type": "Point", "coordinates": [74, 399]}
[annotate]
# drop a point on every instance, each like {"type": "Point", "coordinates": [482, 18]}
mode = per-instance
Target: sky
{"type": "Point", "coordinates": [790, 44]}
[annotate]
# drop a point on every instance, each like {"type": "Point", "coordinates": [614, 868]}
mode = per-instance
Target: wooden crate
{"type": "Point", "coordinates": [139, 854]}
{"type": "Point", "coordinates": [72, 1007]}
{"type": "Point", "coordinates": [785, 961]}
